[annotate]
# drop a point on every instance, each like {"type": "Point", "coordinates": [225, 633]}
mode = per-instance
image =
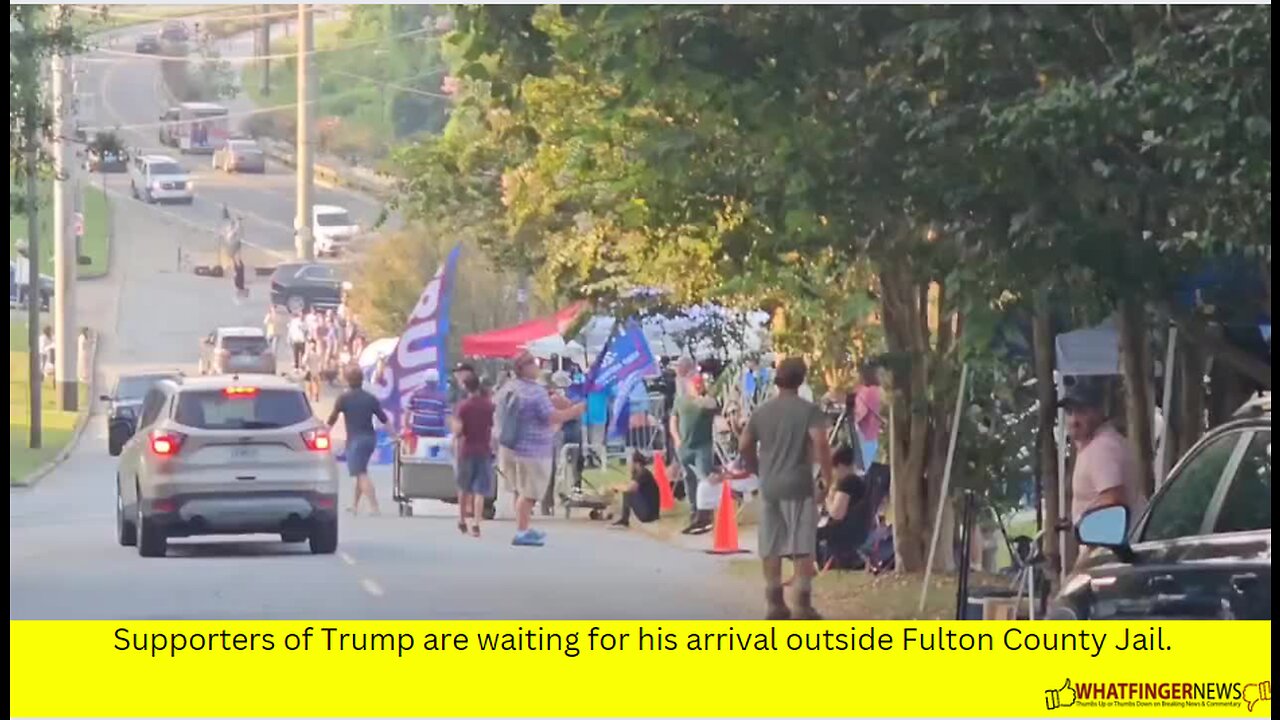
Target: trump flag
{"type": "Point", "coordinates": [625, 361]}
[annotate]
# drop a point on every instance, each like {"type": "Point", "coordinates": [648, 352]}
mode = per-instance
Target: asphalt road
{"type": "Point", "coordinates": [64, 561]}
{"type": "Point", "coordinates": [127, 93]}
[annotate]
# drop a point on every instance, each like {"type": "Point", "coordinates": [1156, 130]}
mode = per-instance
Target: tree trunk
{"type": "Point", "coordinates": [1046, 442]}
{"type": "Point", "coordinates": [1136, 360]}
{"type": "Point", "coordinates": [1190, 396]}
{"type": "Point", "coordinates": [907, 340]}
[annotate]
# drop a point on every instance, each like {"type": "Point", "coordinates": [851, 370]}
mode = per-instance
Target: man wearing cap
{"type": "Point", "coordinates": [527, 464]}
{"type": "Point", "coordinates": [1106, 471]}
{"type": "Point", "coordinates": [692, 435]}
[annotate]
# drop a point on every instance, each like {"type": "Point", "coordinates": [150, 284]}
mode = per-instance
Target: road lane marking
{"type": "Point", "coordinates": [371, 587]}
{"type": "Point", "coordinates": [346, 558]}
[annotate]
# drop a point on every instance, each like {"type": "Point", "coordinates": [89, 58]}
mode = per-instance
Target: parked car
{"type": "Point", "coordinates": [159, 178]}
{"type": "Point", "coordinates": [235, 350]}
{"type": "Point", "coordinates": [175, 31]}
{"type": "Point", "coordinates": [240, 155]}
{"type": "Point", "coordinates": [148, 44]}
{"type": "Point", "coordinates": [1202, 547]}
{"type": "Point", "coordinates": [222, 456]}
{"type": "Point", "coordinates": [106, 160]}
{"type": "Point", "coordinates": [124, 403]}
{"type": "Point", "coordinates": [300, 286]}
{"type": "Point", "coordinates": [18, 286]}
{"type": "Point", "coordinates": [333, 229]}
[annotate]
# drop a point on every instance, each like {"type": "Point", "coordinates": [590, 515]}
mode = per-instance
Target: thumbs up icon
{"type": "Point", "coordinates": [1060, 698]}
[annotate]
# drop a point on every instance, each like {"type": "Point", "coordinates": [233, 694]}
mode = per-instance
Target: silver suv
{"type": "Point", "coordinates": [226, 456]}
{"type": "Point", "coordinates": [237, 350]}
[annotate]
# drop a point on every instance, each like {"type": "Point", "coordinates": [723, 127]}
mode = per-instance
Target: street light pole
{"type": "Point", "coordinates": [306, 137]}
{"type": "Point", "coordinates": [65, 256]}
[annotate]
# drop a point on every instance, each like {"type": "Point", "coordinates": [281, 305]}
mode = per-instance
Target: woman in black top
{"type": "Point", "coordinates": [848, 516]}
{"type": "Point", "coordinates": [640, 496]}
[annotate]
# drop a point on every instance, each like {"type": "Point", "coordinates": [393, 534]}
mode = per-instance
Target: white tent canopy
{"type": "Point", "coordinates": [377, 350]}
{"type": "Point", "coordinates": [544, 348]}
{"type": "Point", "coordinates": [688, 332]}
{"type": "Point", "coordinates": [1089, 351]}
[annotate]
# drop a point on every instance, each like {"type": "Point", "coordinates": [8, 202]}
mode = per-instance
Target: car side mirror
{"type": "Point", "coordinates": [1106, 527]}
{"type": "Point", "coordinates": [105, 398]}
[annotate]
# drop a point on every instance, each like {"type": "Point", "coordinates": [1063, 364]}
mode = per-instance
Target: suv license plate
{"type": "Point", "coordinates": [244, 453]}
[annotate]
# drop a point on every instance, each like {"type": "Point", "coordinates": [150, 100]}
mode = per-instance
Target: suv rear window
{"type": "Point", "coordinates": [244, 345]}
{"type": "Point", "coordinates": [333, 219]}
{"type": "Point", "coordinates": [261, 410]}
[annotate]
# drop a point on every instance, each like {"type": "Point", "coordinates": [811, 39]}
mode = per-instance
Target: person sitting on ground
{"type": "Point", "coordinates": [847, 520]}
{"type": "Point", "coordinates": [741, 482]}
{"type": "Point", "coordinates": [640, 496]}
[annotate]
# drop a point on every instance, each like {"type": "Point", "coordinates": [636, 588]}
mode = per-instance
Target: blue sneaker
{"type": "Point", "coordinates": [528, 538]}
{"type": "Point", "coordinates": [541, 535]}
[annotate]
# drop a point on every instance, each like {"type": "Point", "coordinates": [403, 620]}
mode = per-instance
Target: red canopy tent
{"type": "Point", "coordinates": [510, 341]}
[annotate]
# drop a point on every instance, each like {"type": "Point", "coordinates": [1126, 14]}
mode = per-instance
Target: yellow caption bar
{"type": "Point", "coordinates": [562, 669]}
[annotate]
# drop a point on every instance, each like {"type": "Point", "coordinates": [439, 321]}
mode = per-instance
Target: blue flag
{"type": "Point", "coordinates": [420, 363]}
{"type": "Point", "coordinates": [624, 361]}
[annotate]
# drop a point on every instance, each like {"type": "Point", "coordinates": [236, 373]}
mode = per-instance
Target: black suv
{"type": "Point", "coordinates": [124, 403]}
{"type": "Point", "coordinates": [299, 286]}
{"type": "Point", "coordinates": [1202, 547]}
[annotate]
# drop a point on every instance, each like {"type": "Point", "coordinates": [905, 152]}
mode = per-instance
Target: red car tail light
{"type": "Point", "coordinates": [240, 392]}
{"type": "Point", "coordinates": [166, 444]}
{"type": "Point", "coordinates": [317, 440]}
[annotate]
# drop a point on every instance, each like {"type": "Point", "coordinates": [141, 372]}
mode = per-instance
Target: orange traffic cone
{"type": "Point", "coordinates": [666, 498]}
{"type": "Point", "coordinates": [726, 532]}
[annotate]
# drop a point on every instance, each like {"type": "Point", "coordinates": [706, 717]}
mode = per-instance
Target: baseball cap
{"type": "Point", "coordinates": [1083, 393]}
{"type": "Point", "coordinates": [463, 367]}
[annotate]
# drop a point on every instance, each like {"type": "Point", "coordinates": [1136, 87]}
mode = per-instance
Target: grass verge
{"type": "Point", "coordinates": [57, 426]}
{"type": "Point", "coordinates": [95, 245]}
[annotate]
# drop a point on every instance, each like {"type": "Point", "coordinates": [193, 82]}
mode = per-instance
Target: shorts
{"type": "Point", "coordinates": [359, 450]}
{"type": "Point", "coordinates": [475, 475]}
{"type": "Point", "coordinates": [788, 528]}
{"type": "Point", "coordinates": [527, 476]}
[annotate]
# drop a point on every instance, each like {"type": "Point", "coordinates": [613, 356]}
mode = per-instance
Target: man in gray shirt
{"type": "Point", "coordinates": [785, 437]}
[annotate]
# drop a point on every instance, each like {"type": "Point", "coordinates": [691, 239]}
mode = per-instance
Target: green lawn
{"type": "Point", "coordinates": [57, 425]}
{"type": "Point", "coordinates": [90, 19]}
{"type": "Point", "coordinates": [95, 244]}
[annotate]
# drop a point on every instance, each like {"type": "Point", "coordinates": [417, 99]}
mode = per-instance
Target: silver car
{"type": "Point", "coordinates": [227, 456]}
{"type": "Point", "coordinates": [237, 350]}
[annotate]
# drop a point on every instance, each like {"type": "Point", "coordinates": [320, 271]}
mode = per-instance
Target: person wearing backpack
{"type": "Point", "coordinates": [527, 423]}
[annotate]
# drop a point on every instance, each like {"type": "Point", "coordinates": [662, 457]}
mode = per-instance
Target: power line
{"type": "Point", "coordinates": [254, 58]}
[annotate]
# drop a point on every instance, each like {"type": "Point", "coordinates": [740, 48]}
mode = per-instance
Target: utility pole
{"type": "Point", "coordinates": [35, 378]}
{"type": "Point", "coordinates": [306, 137]}
{"type": "Point", "coordinates": [65, 257]}
{"type": "Point", "coordinates": [264, 49]}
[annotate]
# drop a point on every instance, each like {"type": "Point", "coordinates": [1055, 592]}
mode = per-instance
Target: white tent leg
{"type": "Point", "coordinates": [946, 485]}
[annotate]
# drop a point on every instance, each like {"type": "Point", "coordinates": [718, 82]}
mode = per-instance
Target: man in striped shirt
{"type": "Point", "coordinates": [527, 464]}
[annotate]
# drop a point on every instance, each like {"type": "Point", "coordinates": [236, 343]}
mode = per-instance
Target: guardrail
{"type": "Point", "coordinates": [334, 171]}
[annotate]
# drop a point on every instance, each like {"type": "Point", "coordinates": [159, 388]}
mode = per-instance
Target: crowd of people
{"type": "Point", "coordinates": [319, 343]}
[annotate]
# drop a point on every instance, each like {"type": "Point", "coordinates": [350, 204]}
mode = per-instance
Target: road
{"type": "Point", "coordinates": [64, 561]}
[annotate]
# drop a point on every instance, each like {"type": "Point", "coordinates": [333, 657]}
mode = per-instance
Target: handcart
{"type": "Point", "coordinates": [423, 469]}
{"type": "Point", "coordinates": [575, 491]}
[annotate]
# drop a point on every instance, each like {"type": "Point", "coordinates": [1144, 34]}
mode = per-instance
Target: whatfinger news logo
{"type": "Point", "coordinates": [1158, 695]}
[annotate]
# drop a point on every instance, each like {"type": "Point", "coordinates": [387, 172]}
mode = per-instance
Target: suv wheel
{"type": "Point", "coordinates": [324, 538]}
{"type": "Point", "coordinates": [151, 539]}
{"type": "Point", "coordinates": [126, 531]}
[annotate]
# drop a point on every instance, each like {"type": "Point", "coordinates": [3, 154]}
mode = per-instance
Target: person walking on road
{"type": "Point", "coordinates": [297, 340]}
{"type": "Point", "coordinates": [785, 437]}
{"type": "Point", "coordinates": [529, 423]}
{"type": "Point", "coordinates": [358, 407]}
{"type": "Point", "coordinates": [313, 363]}
{"type": "Point", "coordinates": [692, 434]}
{"type": "Point", "coordinates": [473, 426]}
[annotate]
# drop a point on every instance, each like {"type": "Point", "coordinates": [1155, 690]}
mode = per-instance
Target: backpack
{"type": "Point", "coordinates": [509, 420]}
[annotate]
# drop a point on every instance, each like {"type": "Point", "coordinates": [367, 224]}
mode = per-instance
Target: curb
{"type": "Point", "coordinates": [41, 472]}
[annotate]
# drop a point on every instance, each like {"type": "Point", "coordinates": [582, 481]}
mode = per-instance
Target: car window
{"type": "Point", "coordinates": [1247, 505]}
{"type": "Point", "coordinates": [166, 168]}
{"type": "Point", "coordinates": [318, 273]}
{"type": "Point", "coordinates": [151, 407]}
{"type": "Point", "coordinates": [1179, 511]}
{"type": "Point", "coordinates": [241, 345]}
{"type": "Point", "coordinates": [333, 219]}
{"type": "Point", "coordinates": [132, 388]}
{"type": "Point", "coordinates": [242, 410]}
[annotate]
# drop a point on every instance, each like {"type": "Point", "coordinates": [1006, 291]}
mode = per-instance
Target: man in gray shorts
{"type": "Point", "coordinates": [785, 438]}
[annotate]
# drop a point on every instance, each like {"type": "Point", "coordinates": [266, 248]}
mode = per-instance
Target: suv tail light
{"type": "Point", "coordinates": [166, 444]}
{"type": "Point", "coordinates": [240, 392]}
{"type": "Point", "coordinates": [317, 440]}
